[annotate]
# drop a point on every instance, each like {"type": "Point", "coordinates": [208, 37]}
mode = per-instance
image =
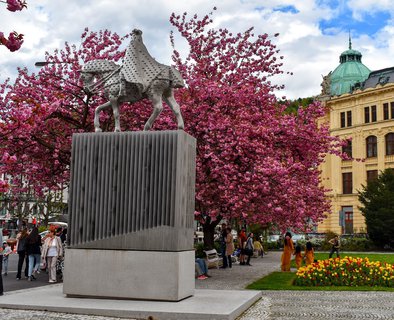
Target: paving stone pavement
{"type": "Point", "coordinates": [277, 305]}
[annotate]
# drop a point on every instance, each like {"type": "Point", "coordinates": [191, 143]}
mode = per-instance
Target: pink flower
{"type": "Point", "coordinates": [13, 42]}
{"type": "Point", "coordinates": [16, 5]}
{"type": "Point", "coordinates": [3, 186]}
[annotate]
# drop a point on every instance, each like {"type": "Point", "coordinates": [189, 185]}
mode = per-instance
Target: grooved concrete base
{"type": "Point", "coordinates": [205, 304]}
{"type": "Point", "coordinates": [148, 275]}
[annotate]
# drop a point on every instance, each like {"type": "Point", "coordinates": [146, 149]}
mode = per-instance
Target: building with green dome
{"type": "Point", "coordinates": [360, 107]}
{"type": "Point", "coordinates": [349, 72]}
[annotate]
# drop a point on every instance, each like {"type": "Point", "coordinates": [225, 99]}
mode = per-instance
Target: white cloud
{"type": "Point", "coordinates": [47, 24]}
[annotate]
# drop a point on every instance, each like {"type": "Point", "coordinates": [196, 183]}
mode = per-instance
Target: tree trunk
{"type": "Point", "coordinates": [208, 227]}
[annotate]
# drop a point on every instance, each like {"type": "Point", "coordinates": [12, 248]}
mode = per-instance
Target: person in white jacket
{"type": "Point", "coordinates": [51, 251]}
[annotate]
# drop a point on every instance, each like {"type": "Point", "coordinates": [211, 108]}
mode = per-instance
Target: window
{"type": "Point", "coordinates": [370, 116]}
{"type": "Point", "coordinates": [347, 183]}
{"type": "Point", "coordinates": [392, 109]}
{"type": "Point", "coordinates": [385, 111]}
{"type": "Point", "coordinates": [372, 175]}
{"type": "Point", "coordinates": [372, 147]}
{"type": "Point", "coordinates": [366, 114]}
{"type": "Point", "coordinates": [348, 215]}
{"type": "Point", "coordinates": [389, 140]}
{"type": "Point", "coordinates": [349, 118]}
{"type": "Point", "coordinates": [373, 113]}
{"type": "Point", "coordinates": [343, 120]}
{"type": "Point", "coordinates": [348, 149]}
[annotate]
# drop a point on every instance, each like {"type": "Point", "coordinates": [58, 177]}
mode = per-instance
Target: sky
{"type": "Point", "coordinates": [312, 34]}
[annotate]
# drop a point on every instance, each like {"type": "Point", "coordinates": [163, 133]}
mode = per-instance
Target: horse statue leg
{"type": "Point", "coordinates": [115, 110]}
{"type": "Point", "coordinates": [97, 115]}
{"type": "Point", "coordinates": [168, 96]}
{"type": "Point", "coordinates": [157, 109]}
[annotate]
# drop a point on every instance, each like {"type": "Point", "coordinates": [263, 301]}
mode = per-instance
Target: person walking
{"type": "Point", "coordinates": [249, 248]}
{"type": "Point", "coordinates": [335, 246]}
{"type": "Point", "coordinates": [229, 246]}
{"type": "Point", "coordinates": [21, 250]}
{"type": "Point", "coordinates": [52, 249]}
{"type": "Point", "coordinates": [33, 249]}
{"type": "Point", "coordinates": [288, 250]}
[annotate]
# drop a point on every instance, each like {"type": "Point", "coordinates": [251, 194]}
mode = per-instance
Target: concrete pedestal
{"type": "Point", "coordinates": [131, 210]}
{"type": "Point", "coordinates": [148, 275]}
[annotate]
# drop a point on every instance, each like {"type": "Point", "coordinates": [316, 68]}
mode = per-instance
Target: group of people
{"type": "Point", "coordinates": [33, 251]}
{"type": "Point", "coordinates": [309, 254]}
{"type": "Point", "coordinates": [289, 250]}
{"type": "Point", "coordinates": [247, 246]}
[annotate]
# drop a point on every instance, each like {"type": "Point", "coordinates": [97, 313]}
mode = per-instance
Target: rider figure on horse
{"type": "Point", "coordinates": [138, 67]}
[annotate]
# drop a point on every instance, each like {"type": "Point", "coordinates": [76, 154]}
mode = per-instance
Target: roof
{"type": "Point", "coordinates": [381, 77]}
{"type": "Point", "coordinates": [350, 71]}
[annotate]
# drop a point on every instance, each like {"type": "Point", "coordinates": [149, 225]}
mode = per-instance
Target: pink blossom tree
{"type": "Point", "coordinates": [14, 40]}
{"type": "Point", "coordinates": [255, 162]}
{"type": "Point", "coordinates": [40, 112]}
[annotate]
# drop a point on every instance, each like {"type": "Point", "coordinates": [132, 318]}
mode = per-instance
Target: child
{"type": "Point", "coordinates": [6, 252]}
{"type": "Point", "coordinates": [298, 256]}
{"type": "Point", "coordinates": [309, 254]}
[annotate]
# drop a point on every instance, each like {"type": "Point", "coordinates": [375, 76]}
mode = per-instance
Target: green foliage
{"type": "Point", "coordinates": [257, 230]}
{"type": "Point", "coordinates": [353, 243]}
{"type": "Point", "coordinates": [276, 245]}
{"type": "Point", "coordinates": [42, 228]}
{"type": "Point", "coordinates": [300, 102]}
{"type": "Point", "coordinates": [357, 244]}
{"type": "Point", "coordinates": [377, 199]}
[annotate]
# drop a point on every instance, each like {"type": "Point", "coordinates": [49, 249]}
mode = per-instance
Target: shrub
{"type": "Point", "coordinates": [41, 229]}
{"type": "Point", "coordinates": [357, 244]}
{"type": "Point", "coordinates": [346, 272]}
{"type": "Point", "coordinates": [272, 245]}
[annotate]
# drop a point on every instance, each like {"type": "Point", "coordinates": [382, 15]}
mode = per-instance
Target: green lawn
{"type": "Point", "coordinates": [284, 280]}
{"type": "Point", "coordinates": [389, 258]}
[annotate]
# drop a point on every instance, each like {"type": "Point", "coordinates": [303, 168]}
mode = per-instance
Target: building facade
{"type": "Point", "coordinates": [361, 108]}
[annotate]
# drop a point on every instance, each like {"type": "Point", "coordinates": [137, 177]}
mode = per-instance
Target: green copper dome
{"type": "Point", "coordinates": [350, 71]}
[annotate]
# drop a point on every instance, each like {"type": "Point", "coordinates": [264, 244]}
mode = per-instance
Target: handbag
{"type": "Point", "coordinates": [43, 264]}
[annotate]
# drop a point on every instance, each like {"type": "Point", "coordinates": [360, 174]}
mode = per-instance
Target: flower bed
{"type": "Point", "coordinates": [346, 272]}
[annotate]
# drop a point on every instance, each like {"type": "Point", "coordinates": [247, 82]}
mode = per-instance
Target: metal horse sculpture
{"type": "Point", "coordinates": [108, 76]}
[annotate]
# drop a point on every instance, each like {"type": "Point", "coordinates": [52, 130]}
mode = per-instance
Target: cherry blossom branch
{"type": "Point", "coordinates": [14, 40]}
